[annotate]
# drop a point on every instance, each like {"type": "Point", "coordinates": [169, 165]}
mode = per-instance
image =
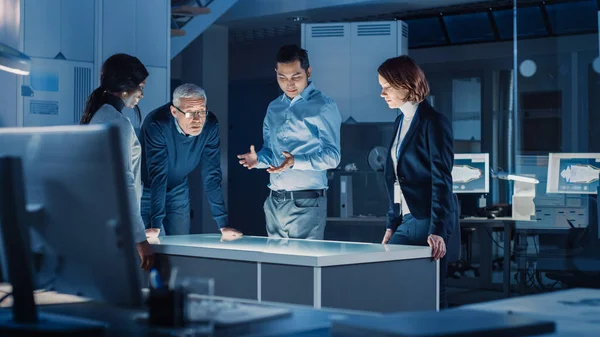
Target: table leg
{"type": "Point", "coordinates": [522, 262]}
{"type": "Point", "coordinates": [506, 284]}
{"type": "Point", "coordinates": [485, 257]}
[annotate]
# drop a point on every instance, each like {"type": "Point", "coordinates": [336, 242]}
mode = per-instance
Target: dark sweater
{"type": "Point", "coordinates": [170, 156]}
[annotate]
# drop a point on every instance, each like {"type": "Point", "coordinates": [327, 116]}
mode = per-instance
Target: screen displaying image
{"type": "Point", "coordinates": [470, 173]}
{"type": "Point", "coordinates": [575, 173]}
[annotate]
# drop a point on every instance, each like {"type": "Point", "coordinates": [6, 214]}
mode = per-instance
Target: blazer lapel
{"type": "Point", "coordinates": [389, 162]}
{"type": "Point", "coordinates": [414, 126]}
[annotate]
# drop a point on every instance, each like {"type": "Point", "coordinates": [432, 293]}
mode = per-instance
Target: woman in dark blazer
{"type": "Point", "coordinates": [418, 172]}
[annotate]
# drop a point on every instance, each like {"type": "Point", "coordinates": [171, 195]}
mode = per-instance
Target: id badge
{"type": "Point", "coordinates": [397, 193]}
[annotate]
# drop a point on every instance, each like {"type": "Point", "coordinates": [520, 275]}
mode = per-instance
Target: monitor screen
{"type": "Point", "coordinates": [84, 238]}
{"type": "Point", "coordinates": [471, 173]}
{"type": "Point", "coordinates": [573, 173]}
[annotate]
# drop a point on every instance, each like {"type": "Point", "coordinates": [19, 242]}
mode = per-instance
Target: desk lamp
{"type": "Point", "coordinates": [523, 194]}
{"type": "Point", "coordinates": [513, 177]}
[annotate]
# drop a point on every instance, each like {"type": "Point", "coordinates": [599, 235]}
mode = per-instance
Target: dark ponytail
{"type": "Point", "coordinates": [93, 103]}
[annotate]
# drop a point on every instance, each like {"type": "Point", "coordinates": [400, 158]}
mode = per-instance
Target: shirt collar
{"type": "Point", "coordinates": [305, 94]}
{"type": "Point", "coordinates": [409, 109]}
{"type": "Point", "coordinates": [179, 127]}
{"type": "Point", "coordinates": [115, 101]}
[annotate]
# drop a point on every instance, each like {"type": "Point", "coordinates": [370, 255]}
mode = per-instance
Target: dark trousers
{"type": "Point", "coordinates": [414, 232]}
{"type": "Point", "coordinates": [177, 220]}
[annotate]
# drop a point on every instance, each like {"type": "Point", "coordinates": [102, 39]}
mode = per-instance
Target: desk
{"type": "Point", "coordinates": [575, 311]}
{"type": "Point", "coordinates": [303, 321]}
{"type": "Point", "coordinates": [486, 252]}
{"type": "Point", "coordinates": [327, 274]}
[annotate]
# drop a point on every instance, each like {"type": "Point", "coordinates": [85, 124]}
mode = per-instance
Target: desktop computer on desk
{"type": "Point", "coordinates": [471, 182]}
{"type": "Point", "coordinates": [574, 257]}
{"type": "Point", "coordinates": [80, 229]}
{"type": "Point", "coordinates": [578, 173]}
{"type": "Point", "coordinates": [471, 175]}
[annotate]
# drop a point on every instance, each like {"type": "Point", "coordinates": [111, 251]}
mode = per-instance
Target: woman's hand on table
{"type": "Point", "coordinates": [438, 246]}
{"type": "Point", "coordinates": [387, 236]}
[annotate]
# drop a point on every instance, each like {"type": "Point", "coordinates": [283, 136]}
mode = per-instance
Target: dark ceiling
{"type": "Point", "coordinates": [488, 21]}
{"type": "Point", "coordinates": [478, 22]}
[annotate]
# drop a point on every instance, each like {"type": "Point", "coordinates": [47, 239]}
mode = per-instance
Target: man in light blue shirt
{"type": "Point", "coordinates": [301, 134]}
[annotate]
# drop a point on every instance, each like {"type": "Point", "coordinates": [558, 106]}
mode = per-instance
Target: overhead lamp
{"type": "Point", "coordinates": [297, 18]}
{"type": "Point", "coordinates": [513, 177]}
{"type": "Point", "coordinates": [13, 61]}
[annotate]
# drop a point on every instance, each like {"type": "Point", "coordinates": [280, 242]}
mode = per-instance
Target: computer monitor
{"type": "Point", "coordinates": [471, 173]}
{"type": "Point", "coordinates": [573, 173]}
{"type": "Point", "coordinates": [83, 234]}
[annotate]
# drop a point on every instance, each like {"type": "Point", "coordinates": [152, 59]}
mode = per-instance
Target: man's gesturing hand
{"type": "Point", "coordinates": [250, 159]}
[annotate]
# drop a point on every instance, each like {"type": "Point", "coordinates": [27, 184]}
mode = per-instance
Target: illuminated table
{"type": "Point", "coordinates": [331, 274]}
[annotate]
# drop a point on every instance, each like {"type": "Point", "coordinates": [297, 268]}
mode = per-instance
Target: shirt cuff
{"type": "Point", "coordinates": [222, 221]}
{"type": "Point", "coordinates": [262, 163]}
{"type": "Point", "coordinates": [139, 235]}
{"type": "Point", "coordinates": [156, 223]}
{"type": "Point", "coordinates": [438, 230]}
{"type": "Point", "coordinates": [301, 162]}
{"type": "Point", "coordinates": [393, 222]}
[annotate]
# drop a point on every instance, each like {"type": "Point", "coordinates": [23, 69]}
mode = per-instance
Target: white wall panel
{"type": "Point", "coordinates": [328, 47]}
{"type": "Point", "coordinates": [42, 28]}
{"type": "Point", "coordinates": [372, 43]}
{"type": "Point", "coordinates": [152, 32]}
{"type": "Point", "coordinates": [10, 28]}
{"type": "Point", "coordinates": [77, 30]}
{"type": "Point", "coordinates": [118, 27]}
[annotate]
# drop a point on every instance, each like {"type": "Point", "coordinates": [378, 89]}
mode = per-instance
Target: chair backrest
{"type": "Point", "coordinates": [453, 249]}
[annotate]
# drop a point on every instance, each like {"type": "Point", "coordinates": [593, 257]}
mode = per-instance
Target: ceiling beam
{"type": "Point", "coordinates": [494, 25]}
{"type": "Point", "coordinates": [546, 19]}
{"type": "Point", "coordinates": [444, 29]}
{"type": "Point", "coordinates": [258, 8]}
{"type": "Point", "coordinates": [199, 24]}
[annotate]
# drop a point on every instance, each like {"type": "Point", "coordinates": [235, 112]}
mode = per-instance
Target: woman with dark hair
{"type": "Point", "coordinates": [122, 82]}
{"type": "Point", "coordinates": [419, 165]}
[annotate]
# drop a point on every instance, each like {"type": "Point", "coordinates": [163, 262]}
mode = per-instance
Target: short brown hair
{"type": "Point", "coordinates": [404, 72]}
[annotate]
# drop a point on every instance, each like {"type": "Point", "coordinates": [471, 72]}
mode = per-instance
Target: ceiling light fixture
{"type": "Point", "coordinates": [13, 61]}
{"type": "Point", "coordinates": [297, 18]}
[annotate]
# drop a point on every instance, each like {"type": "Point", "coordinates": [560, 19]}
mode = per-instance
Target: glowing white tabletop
{"type": "Point", "coordinates": [328, 274]}
{"type": "Point", "coordinates": [312, 253]}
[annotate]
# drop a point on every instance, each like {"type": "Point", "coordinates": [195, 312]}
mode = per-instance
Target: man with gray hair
{"type": "Point", "coordinates": [175, 139]}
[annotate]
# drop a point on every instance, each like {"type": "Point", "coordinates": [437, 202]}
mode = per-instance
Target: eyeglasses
{"type": "Point", "coordinates": [195, 114]}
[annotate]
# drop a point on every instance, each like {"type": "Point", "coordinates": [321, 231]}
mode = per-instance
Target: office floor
{"type": "Point", "coordinates": [460, 296]}
{"type": "Point", "coordinates": [463, 296]}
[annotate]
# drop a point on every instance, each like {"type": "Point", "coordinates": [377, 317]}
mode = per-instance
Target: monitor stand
{"type": "Point", "coordinates": [24, 318]}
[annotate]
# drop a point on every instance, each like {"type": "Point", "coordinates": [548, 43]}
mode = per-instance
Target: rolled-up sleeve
{"type": "Point", "coordinates": [265, 155]}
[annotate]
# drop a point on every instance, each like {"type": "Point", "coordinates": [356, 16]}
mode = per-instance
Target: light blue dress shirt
{"type": "Point", "coordinates": [308, 127]}
{"type": "Point", "coordinates": [179, 129]}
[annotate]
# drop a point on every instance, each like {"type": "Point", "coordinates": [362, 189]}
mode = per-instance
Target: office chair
{"type": "Point", "coordinates": [583, 246]}
{"type": "Point", "coordinates": [461, 238]}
